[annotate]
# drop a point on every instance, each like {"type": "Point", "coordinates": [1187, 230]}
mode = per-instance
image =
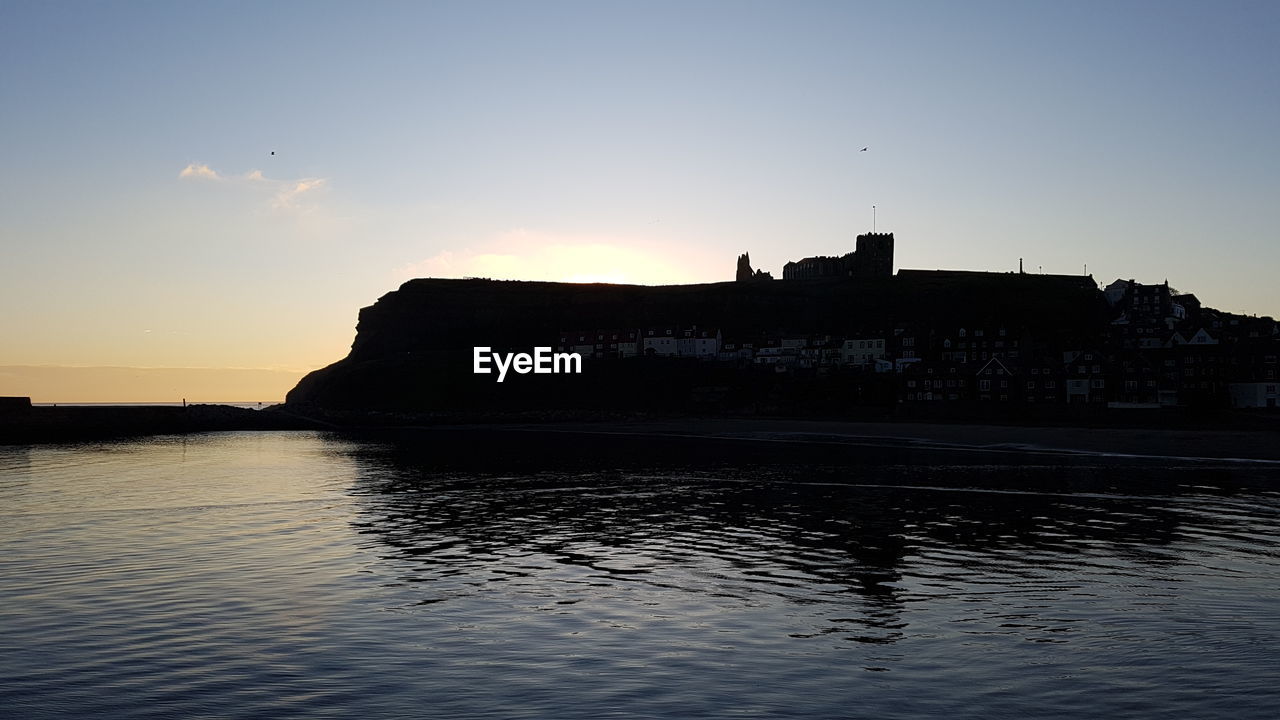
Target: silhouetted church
{"type": "Point", "coordinates": [745, 272]}
{"type": "Point", "coordinates": [872, 257]}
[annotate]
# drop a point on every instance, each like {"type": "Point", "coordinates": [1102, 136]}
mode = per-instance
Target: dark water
{"type": "Point", "coordinates": [298, 575]}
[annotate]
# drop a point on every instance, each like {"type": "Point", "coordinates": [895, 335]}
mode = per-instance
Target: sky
{"type": "Point", "coordinates": [145, 223]}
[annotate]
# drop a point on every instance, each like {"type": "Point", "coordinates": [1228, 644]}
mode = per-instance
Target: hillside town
{"type": "Point", "coordinates": [1156, 348]}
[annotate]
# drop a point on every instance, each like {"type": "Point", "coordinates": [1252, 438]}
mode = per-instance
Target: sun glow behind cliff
{"type": "Point", "coordinates": [527, 255]}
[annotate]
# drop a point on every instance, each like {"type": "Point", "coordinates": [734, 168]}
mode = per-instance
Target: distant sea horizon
{"type": "Point", "coordinates": [251, 404]}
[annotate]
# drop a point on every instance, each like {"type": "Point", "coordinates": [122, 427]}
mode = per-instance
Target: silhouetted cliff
{"type": "Point", "coordinates": [413, 347]}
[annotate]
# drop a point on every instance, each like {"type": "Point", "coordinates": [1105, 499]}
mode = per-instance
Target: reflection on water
{"type": "Point", "coordinates": [293, 574]}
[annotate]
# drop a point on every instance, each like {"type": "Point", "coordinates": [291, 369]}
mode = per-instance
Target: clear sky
{"type": "Point", "coordinates": [144, 222]}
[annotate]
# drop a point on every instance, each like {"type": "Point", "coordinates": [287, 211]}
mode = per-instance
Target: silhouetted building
{"type": "Point", "coordinates": [872, 257]}
{"type": "Point", "coordinates": [698, 342]}
{"type": "Point", "coordinates": [817, 267]}
{"type": "Point", "coordinates": [744, 270]}
{"type": "Point", "coordinates": [1046, 280]}
{"type": "Point", "coordinates": [614, 343]}
{"type": "Point", "coordinates": [1086, 374]}
{"type": "Point", "coordinates": [1253, 395]}
{"type": "Point", "coordinates": [862, 351]}
{"type": "Point", "coordinates": [14, 404]}
{"type": "Point", "coordinates": [658, 341]}
{"type": "Point", "coordinates": [578, 341]}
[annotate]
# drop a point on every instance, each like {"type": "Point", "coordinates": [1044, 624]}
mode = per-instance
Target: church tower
{"type": "Point", "coordinates": [873, 255]}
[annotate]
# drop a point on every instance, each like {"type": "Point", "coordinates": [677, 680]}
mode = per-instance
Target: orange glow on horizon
{"type": "Point", "coordinates": [56, 384]}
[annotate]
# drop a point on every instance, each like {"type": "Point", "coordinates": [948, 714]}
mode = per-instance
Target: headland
{"type": "Point", "coordinates": [838, 340]}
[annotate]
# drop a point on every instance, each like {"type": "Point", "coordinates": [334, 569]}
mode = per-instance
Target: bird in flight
{"type": "Point", "coordinates": [273, 152]}
{"type": "Point", "coordinates": [862, 150]}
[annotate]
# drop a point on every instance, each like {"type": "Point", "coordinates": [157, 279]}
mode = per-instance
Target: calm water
{"type": "Point", "coordinates": [302, 575]}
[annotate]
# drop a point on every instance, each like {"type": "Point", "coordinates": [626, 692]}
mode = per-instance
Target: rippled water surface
{"type": "Point", "coordinates": [303, 575]}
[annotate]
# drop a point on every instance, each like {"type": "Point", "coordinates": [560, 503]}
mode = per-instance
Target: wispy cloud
{"type": "Point", "coordinates": [285, 194]}
{"type": "Point", "coordinates": [293, 190]}
{"type": "Point", "coordinates": [199, 171]}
